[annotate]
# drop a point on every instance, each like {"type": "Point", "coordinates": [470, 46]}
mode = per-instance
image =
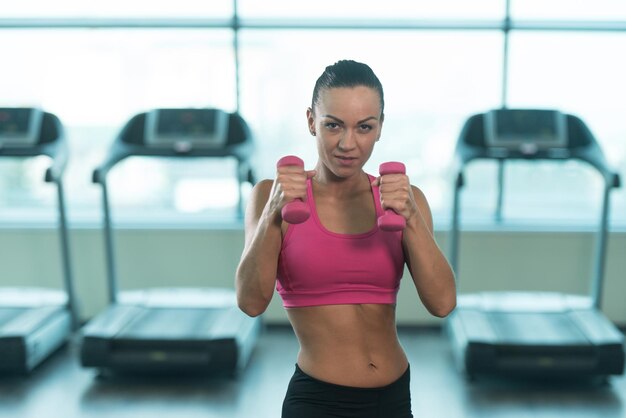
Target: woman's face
{"type": "Point", "coordinates": [346, 121]}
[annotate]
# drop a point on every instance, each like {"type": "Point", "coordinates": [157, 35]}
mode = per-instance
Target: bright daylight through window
{"type": "Point", "coordinates": [97, 64]}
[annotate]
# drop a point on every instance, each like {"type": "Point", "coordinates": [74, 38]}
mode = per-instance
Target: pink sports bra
{"type": "Point", "coordinates": [320, 267]}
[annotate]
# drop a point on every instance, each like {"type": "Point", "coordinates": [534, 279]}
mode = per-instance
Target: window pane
{"type": "Point", "coordinates": [118, 8]}
{"type": "Point", "coordinates": [582, 74]}
{"type": "Point", "coordinates": [537, 193]}
{"type": "Point", "coordinates": [347, 9]}
{"type": "Point", "coordinates": [151, 189]}
{"type": "Point", "coordinates": [94, 81]}
{"type": "Point", "coordinates": [433, 81]}
{"type": "Point", "coordinates": [610, 10]}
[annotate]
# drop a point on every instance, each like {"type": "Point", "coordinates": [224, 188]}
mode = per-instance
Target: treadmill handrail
{"type": "Point", "coordinates": [122, 149]}
{"type": "Point", "coordinates": [57, 149]}
{"type": "Point", "coordinates": [591, 154]}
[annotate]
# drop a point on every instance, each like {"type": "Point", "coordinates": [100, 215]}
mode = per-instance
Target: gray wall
{"type": "Point", "coordinates": [551, 261]}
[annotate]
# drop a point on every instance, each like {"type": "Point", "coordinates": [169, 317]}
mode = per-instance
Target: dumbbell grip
{"type": "Point", "coordinates": [391, 221]}
{"type": "Point", "coordinates": [296, 211]}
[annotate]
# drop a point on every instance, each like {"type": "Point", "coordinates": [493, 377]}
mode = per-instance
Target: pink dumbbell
{"type": "Point", "coordinates": [391, 221]}
{"type": "Point", "coordinates": [297, 211]}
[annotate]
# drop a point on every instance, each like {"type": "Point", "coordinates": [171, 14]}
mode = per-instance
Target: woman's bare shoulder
{"type": "Point", "coordinates": [261, 191]}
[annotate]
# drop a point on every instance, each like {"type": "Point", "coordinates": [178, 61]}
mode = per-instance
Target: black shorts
{"type": "Point", "coordinates": [308, 397]}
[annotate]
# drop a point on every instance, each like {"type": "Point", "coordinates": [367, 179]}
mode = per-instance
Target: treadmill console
{"type": "Point", "coordinates": [525, 130]}
{"type": "Point", "coordinates": [19, 127]}
{"type": "Point", "coordinates": [184, 129]}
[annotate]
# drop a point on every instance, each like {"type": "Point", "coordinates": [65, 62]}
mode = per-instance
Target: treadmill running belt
{"type": "Point", "coordinates": [536, 328]}
{"type": "Point", "coordinates": [171, 323]}
{"type": "Point", "coordinates": [7, 314]}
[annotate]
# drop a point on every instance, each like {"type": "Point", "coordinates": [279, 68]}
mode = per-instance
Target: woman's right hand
{"type": "Point", "coordinates": [289, 185]}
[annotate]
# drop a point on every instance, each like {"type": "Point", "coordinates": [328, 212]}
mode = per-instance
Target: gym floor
{"type": "Point", "coordinates": [61, 388]}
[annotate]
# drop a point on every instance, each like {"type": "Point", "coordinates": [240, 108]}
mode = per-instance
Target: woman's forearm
{"type": "Point", "coordinates": [256, 274]}
{"type": "Point", "coordinates": [432, 275]}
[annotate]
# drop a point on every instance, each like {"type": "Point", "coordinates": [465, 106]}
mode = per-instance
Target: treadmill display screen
{"type": "Point", "coordinates": [19, 127]}
{"type": "Point", "coordinates": [525, 129]}
{"type": "Point", "coordinates": [194, 128]}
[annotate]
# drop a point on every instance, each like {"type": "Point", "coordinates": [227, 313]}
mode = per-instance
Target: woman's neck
{"type": "Point", "coordinates": [340, 186]}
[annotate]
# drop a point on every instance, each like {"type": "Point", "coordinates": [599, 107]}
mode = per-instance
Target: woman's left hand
{"type": "Point", "coordinates": [396, 193]}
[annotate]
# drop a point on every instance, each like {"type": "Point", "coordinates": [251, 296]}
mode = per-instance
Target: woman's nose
{"type": "Point", "coordinates": [348, 140]}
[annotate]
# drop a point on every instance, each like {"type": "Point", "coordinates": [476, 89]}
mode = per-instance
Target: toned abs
{"type": "Point", "coordinates": [349, 345]}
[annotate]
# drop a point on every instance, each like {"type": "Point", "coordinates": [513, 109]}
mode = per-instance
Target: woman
{"type": "Point", "coordinates": [338, 274]}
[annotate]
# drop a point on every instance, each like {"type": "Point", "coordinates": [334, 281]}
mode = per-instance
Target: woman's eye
{"type": "Point", "coordinates": [332, 125]}
{"type": "Point", "coordinates": [366, 127]}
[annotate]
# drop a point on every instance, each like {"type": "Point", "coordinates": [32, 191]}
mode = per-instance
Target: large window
{"type": "Point", "coordinates": [94, 81]}
{"type": "Point", "coordinates": [358, 9]}
{"type": "Point", "coordinates": [118, 9]}
{"type": "Point", "coordinates": [426, 97]}
{"type": "Point", "coordinates": [95, 65]}
{"type": "Point", "coordinates": [581, 74]}
{"type": "Point", "coordinates": [563, 10]}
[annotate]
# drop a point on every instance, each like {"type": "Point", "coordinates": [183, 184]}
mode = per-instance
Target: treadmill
{"type": "Point", "coordinates": [533, 334]}
{"type": "Point", "coordinates": [172, 330]}
{"type": "Point", "coordinates": [34, 322]}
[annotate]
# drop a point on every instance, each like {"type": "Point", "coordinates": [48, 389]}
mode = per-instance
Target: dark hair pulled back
{"type": "Point", "coordinates": [348, 73]}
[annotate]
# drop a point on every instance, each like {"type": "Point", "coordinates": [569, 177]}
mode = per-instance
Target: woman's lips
{"type": "Point", "coordinates": [343, 160]}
